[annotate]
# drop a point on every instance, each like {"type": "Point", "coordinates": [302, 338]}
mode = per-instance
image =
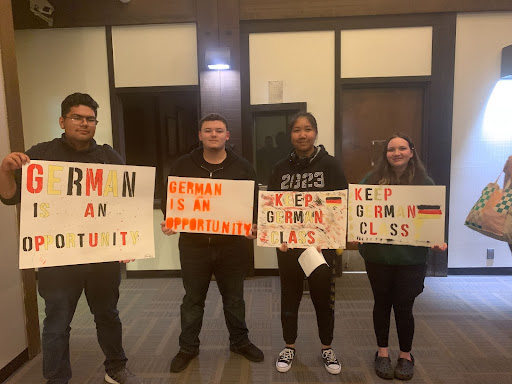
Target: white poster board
{"type": "Point", "coordinates": [302, 219]}
{"type": "Point", "coordinates": [396, 214]}
{"type": "Point", "coordinates": [78, 213]}
{"type": "Point", "coordinates": [217, 206]}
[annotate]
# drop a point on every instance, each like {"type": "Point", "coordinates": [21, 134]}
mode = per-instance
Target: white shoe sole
{"type": "Point", "coordinates": [333, 371]}
{"type": "Point", "coordinates": [283, 369]}
{"type": "Point", "coordinates": [110, 380]}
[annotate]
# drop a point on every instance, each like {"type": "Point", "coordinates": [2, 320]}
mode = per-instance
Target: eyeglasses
{"type": "Point", "coordinates": [77, 119]}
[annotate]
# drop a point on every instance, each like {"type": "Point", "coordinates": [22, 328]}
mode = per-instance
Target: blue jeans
{"type": "Point", "coordinates": [61, 287]}
{"type": "Point", "coordinates": [228, 262]}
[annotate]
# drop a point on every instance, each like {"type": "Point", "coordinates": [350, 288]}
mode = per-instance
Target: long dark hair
{"type": "Point", "coordinates": [383, 173]}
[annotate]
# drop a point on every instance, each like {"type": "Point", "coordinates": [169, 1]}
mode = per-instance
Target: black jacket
{"type": "Point", "coordinates": [320, 172]}
{"type": "Point", "coordinates": [233, 167]}
{"type": "Point", "coordinates": [60, 150]}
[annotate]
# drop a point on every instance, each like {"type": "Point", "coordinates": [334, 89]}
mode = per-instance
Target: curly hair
{"type": "Point", "coordinates": [76, 99]}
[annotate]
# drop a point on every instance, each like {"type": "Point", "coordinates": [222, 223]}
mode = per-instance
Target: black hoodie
{"type": "Point", "coordinates": [319, 172]}
{"type": "Point", "coordinates": [233, 167]}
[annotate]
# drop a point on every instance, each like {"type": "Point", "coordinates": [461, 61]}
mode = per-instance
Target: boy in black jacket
{"type": "Point", "coordinates": [202, 255]}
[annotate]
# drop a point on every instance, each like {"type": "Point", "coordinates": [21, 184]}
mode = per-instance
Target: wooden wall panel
{"type": "Point", "coordinates": [102, 12]}
{"type": "Point", "coordinates": [292, 9]}
{"type": "Point", "coordinates": [16, 142]}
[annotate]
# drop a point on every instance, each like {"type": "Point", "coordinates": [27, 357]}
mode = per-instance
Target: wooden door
{"type": "Point", "coordinates": [370, 115]}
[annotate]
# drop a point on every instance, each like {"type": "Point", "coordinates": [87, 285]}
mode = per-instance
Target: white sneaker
{"type": "Point", "coordinates": [284, 362]}
{"type": "Point", "coordinates": [331, 363]}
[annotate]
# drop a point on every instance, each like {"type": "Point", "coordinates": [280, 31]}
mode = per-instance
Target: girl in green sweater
{"type": "Point", "coordinates": [396, 272]}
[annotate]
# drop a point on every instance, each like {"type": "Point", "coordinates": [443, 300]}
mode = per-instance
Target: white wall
{"type": "Point", "coordinates": [12, 321]}
{"type": "Point", "coordinates": [478, 151]}
{"type": "Point", "coordinates": [155, 55]}
{"type": "Point", "coordinates": [53, 63]}
{"type": "Point", "coordinates": [386, 52]}
{"type": "Point", "coordinates": [304, 61]}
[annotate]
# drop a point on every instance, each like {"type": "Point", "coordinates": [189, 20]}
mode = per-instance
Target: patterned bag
{"type": "Point", "coordinates": [492, 213]}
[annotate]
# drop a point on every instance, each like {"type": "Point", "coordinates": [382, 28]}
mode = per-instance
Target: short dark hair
{"type": "Point", "coordinates": [213, 117]}
{"type": "Point", "coordinates": [308, 116]}
{"type": "Point", "coordinates": [76, 99]}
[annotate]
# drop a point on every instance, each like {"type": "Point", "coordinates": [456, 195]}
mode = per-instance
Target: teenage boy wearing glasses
{"type": "Point", "coordinates": [61, 287]}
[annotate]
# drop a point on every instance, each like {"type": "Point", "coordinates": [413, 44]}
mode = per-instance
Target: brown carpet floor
{"type": "Point", "coordinates": [463, 335]}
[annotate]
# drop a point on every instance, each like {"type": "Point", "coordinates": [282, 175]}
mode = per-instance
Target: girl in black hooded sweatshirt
{"type": "Point", "coordinates": [307, 168]}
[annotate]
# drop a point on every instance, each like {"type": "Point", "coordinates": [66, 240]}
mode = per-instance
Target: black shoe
{"type": "Point", "coordinates": [383, 367]}
{"type": "Point", "coordinates": [404, 369]}
{"type": "Point", "coordinates": [181, 361]}
{"type": "Point", "coordinates": [249, 351]}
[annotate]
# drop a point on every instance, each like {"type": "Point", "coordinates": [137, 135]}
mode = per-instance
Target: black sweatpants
{"type": "Point", "coordinates": [292, 278]}
{"type": "Point", "coordinates": [395, 286]}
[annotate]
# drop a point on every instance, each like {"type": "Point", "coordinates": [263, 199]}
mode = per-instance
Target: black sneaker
{"type": "Point", "coordinates": [123, 376]}
{"type": "Point", "coordinates": [249, 351]}
{"type": "Point", "coordinates": [285, 359]}
{"type": "Point", "coordinates": [331, 363]}
{"type": "Point", "coordinates": [181, 361]}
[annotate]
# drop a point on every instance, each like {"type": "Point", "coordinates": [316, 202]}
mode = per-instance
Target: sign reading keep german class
{"type": "Point", "coordinates": [302, 219]}
{"type": "Point", "coordinates": [217, 206]}
{"type": "Point", "coordinates": [396, 214]}
{"type": "Point", "coordinates": [77, 213]}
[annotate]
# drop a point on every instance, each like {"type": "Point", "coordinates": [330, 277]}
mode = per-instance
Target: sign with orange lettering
{"type": "Point", "coordinates": [218, 206]}
{"type": "Point", "coordinates": [79, 213]}
{"type": "Point", "coordinates": [396, 214]}
{"type": "Point", "coordinates": [302, 219]}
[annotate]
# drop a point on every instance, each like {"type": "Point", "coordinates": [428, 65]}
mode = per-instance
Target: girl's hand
{"type": "Point", "coordinates": [254, 232]}
{"type": "Point", "coordinates": [440, 248]}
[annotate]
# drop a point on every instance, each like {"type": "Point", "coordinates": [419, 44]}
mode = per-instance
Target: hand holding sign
{"type": "Point", "coordinates": [165, 230]}
{"type": "Point", "coordinates": [13, 161]}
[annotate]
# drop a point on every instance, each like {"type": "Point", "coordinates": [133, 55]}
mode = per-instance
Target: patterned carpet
{"type": "Point", "coordinates": [463, 335]}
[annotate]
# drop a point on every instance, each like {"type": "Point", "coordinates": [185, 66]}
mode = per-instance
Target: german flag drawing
{"type": "Point", "coordinates": [429, 211]}
{"type": "Point", "coordinates": [333, 200]}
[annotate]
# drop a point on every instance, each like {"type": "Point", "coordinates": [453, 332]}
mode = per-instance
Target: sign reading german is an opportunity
{"type": "Point", "coordinates": [396, 214]}
{"type": "Point", "coordinates": [78, 213]}
{"type": "Point", "coordinates": [217, 206]}
{"type": "Point", "coordinates": [302, 219]}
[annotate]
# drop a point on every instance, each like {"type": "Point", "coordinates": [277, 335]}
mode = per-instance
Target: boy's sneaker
{"type": "Point", "coordinates": [331, 363]}
{"type": "Point", "coordinates": [123, 376]}
{"type": "Point", "coordinates": [285, 360]}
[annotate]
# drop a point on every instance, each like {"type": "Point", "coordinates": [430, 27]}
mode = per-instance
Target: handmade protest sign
{"type": "Point", "coordinates": [302, 219]}
{"type": "Point", "coordinates": [78, 213]}
{"type": "Point", "coordinates": [396, 214]}
{"type": "Point", "coordinates": [219, 206]}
